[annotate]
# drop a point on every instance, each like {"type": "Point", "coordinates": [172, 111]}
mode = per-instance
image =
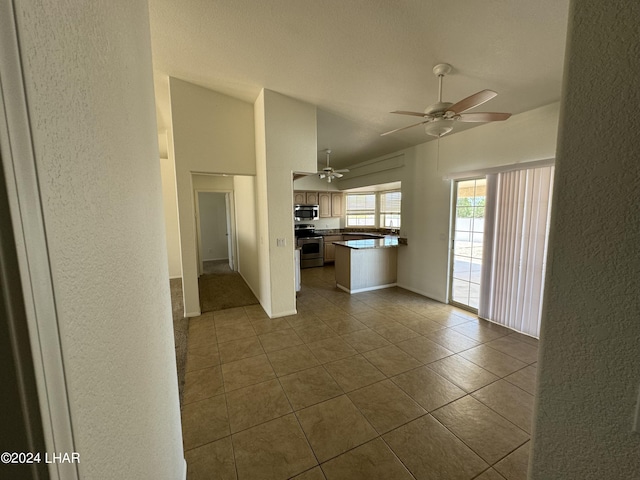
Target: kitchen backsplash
{"type": "Point", "coordinates": [330, 223]}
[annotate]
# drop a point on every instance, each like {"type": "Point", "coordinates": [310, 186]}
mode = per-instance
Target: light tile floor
{"type": "Point", "coordinates": [378, 385]}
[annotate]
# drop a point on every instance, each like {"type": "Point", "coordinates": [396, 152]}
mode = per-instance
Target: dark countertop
{"type": "Point", "coordinates": [384, 242]}
{"type": "Point", "coordinates": [332, 233]}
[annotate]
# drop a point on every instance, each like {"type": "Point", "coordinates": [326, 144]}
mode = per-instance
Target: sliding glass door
{"type": "Point", "coordinates": [467, 244]}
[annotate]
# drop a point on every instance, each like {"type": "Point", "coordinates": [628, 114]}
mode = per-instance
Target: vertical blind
{"type": "Point", "coordinates": [515, 247]}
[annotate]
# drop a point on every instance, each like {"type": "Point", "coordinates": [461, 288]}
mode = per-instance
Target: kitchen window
{"type": "Point", "coordinates": [374, 210]}
{"type": "Point", "coordinates": [361, 210]}
{"type": "Point", "coordinates": [390, 209]}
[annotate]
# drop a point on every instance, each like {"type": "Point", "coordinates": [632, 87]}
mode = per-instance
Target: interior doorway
{"type": "Point", "coordinates": [468, 240]}
{"type": "Point", "coordinates": [214, 230]}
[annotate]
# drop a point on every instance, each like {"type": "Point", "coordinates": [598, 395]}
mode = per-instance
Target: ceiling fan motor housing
{"type": "Point", "coordinates": [437, 109]}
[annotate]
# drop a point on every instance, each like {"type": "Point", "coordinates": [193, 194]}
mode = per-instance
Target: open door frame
{"type": "Point", "coordinates": [230, 222]}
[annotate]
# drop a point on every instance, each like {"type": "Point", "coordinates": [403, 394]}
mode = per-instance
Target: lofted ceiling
{"type": "Point", "coordinates": [359, 60]}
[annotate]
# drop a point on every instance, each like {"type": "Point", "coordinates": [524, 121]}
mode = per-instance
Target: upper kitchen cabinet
{"type": "Point", "coordinates": [324, 200]}
{"type": "Point", "coordinates": [312, 198]}
{"type": "Point", "coordinates": [337, 205]}
{"type": "Point", "coordinates": [331, 203]}
{"type": "Point", "coordinates": [299, 198]}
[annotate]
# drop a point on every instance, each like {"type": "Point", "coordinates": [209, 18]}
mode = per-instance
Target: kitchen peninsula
{"type": "Point", "coordinates": [367, 264]}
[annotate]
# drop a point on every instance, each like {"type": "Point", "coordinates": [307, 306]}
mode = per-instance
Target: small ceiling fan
{"type": "Point", "coordinates": [440, 117]}
{"type": "Point", "coordinates": [329, 172]}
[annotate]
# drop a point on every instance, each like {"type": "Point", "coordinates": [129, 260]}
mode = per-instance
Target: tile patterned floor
{"type": "Point", "coordinates": [378, 385]}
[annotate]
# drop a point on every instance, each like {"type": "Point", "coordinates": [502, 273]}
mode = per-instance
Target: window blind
{"type": "Point", "coordinates": [390, 209]}
{"type": "Point", "coordinates": [361, 210]}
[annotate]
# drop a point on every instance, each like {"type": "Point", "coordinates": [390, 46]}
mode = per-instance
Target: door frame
{"type": "Point", "coordinates": [452, 237]}
{"type": "Point", "coordinates": [230, 222]}
{"type": "Point", "coordinates": [31, 250]}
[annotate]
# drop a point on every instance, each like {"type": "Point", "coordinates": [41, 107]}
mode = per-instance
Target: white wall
{"type": "Point", "coordinates": [244, 189]}
{"type": "Point", "coordinates": [212, 133]}
{"type": "Point", "coordinates": [170, 208]}
{"type": "Point", "coordinates": [212, 182]}
{"type": "Point", "coordinates": [313, 183]}
{"type": "Point", "coordinates": [589, 368]}
{"type": "Point", "coordinates": [286, 141]}
{"type": "Point", "coordinates": [88, 75]}
{"type": "Point", "coordinates": [426, 194]}
{"type": "Point", "coordinates": [213, 226]}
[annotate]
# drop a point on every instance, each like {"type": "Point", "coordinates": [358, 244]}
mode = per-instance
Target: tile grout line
{"type": "Point", "coordinates": [296, 417]}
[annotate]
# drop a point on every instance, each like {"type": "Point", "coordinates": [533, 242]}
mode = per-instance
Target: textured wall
{"type": "Point", "coordinates": [170, 207]}
{"type": "Point", "coordinates": [285, 142]}
{"type": "Point", "coordinates": [88, 73]}
{"type": "Point", "coordinates": [244, 191]}
{"type": "Point", "coordinates": [589, 370]}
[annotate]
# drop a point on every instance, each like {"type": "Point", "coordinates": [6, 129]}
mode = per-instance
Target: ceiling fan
{"type": "Point", "coordinates": [440, 117]}
{"type": "Point", "coordinates": [329, 172]}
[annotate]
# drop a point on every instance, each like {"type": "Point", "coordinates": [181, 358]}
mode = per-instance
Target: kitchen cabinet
{"type": "Point", "coordinates": [330, 248]}
{"type": "Point", "coordinates": [312, 198]}
{"type": "Point", "coordinates": [331, 203]}
{"type": "Point", "coordinates": [337, 204]}
{"type": "Point", "coordinates": [324, 200]}
{"type": "Point", "coordinates": [299, 198]}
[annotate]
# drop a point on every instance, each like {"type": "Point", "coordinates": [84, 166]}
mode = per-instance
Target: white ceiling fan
{"type": "Point", "coordinates": [440, 117]}
{"type": "Point", "coordinates": [329, 172]}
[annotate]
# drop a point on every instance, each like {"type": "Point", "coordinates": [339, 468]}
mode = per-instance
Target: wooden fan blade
{"type": "Point", "coordinates": [472, 101]}
{"type": "Point", "coordinates": [404, 128]}
{"type": "Point", "coordinates": [337, 175]}
{"type": "Point", "coordinates": [415, 114]}
{"type": "Point", "coordinates": [343, 170]}
{"type": "Point", "coordinates": [483, 117]}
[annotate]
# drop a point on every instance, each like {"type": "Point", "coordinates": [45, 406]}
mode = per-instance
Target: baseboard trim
{"type": "Point", "coordinates": [284, 314]}
{"type": "Point", "coordinates": [193, 314]}
{"type": "Point", "coordinates": [215, 259]}
{"type": "Point", "coordinates": [176, 277]}
{"type": "Point", "coordinates": [424, 294]}
{"type": "Point", "coordinates": [184, 474]}
{"type": "Point", "coordinates": [366, 289]}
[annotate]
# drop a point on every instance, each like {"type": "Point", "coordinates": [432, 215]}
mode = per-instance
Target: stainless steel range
{"type": "Point", "coordinates": [311, 246]}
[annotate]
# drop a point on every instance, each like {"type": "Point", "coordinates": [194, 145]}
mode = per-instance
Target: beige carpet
{"type": "Point", "coordinates": [221, 288]}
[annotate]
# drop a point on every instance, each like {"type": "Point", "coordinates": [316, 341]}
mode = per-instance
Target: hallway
{"type": "Point", "coordinates": [384, 384]}
{"type": "Point", "coordinates": [221, 288]}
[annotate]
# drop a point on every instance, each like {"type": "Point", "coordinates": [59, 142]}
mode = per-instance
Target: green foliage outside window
{"type": "Point", "coordinates": [466, 207]}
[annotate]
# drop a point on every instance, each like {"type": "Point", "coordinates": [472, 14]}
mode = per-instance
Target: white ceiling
{"type": "Point", "coordinates": [358, 60]}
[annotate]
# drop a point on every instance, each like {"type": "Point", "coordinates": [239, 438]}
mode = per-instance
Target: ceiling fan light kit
{"type": "Point", "coordinates": [439, 127]}
{"type": "Point", "coordinates": [440, 117]}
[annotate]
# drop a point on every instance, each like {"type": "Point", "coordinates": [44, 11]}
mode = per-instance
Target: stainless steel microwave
{"type": "Point", "coordinates": [306, 212]}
